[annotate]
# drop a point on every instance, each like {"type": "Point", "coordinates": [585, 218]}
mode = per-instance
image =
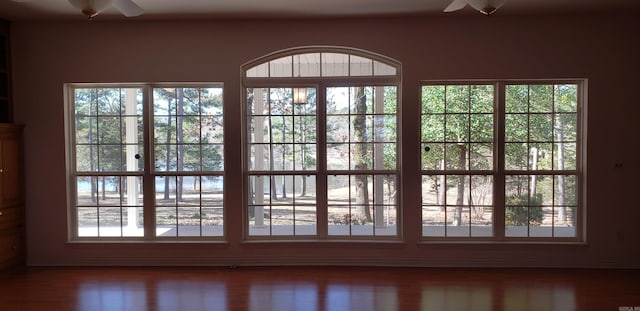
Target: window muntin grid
{"type": "Point", "coordinates": [283, 140]}
{"type": "Point", "coordinates": [339, 146]}
{"type": "Point", "coordinates": [350, 213]}
{"type": "Point", "coordinates": [541, 158]}
{"type": "Point", "coordinates": [361, 137]}
{"type": "Point", "coordinates": [321, 64]}
{"type": "Point", "coordinates": [107, 144]}
{"type": "Point", "coordinates": [108, 147]}
{"type": "Point", "coordinates": [188, 153]}
{"type": "Point", "coordinates": [457, 160]}
{"type": "Point", "coordinates": [282, 130]}
{"type": "Point", "coordinates": [360, 131]}
{"type": "Point", "coordinates": [287, 206]}
{"type": "Point", "coordinates": [538, 168]}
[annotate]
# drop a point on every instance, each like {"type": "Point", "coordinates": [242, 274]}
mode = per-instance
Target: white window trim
{"type": "Point", "coordinates": [499, 173]}
{"type": "Point", "coordinates": [148, 173]}
{"type": "Point", "coordinates": [321, 84]}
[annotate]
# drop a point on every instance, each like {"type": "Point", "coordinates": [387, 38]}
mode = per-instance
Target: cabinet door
{"type": "Point", "coordinates": [10, 171]}
{"type": "Point", "coordinates": [11, 218]}
{"type": "Point", "coordinates": [11, 252]}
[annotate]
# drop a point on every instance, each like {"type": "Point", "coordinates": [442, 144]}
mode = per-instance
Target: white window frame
{"type": "Point", "coordinates": [499, 172]}
{"type": "Point", "coordinates": [383, 71]}
{"type": "Point", "coordinates": [149, 228]}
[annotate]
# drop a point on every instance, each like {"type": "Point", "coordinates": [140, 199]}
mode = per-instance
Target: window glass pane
{"type": "Point", "coordinates": [540, 98]}
{"type": "Point", "coordinates": [304, 129]}
{"type": "Point", "coordinates": [361, 156]}
{"type": "Point", "coordinates": [259, 71]}
{"type": "Point", "coordinates": [433, 99]}
{"type": "Point", "coordinates": [457, 156]}
{"type": "Point", "coordinates": [337, 100]}
{"type": "Point", "coordinates": [481, 157]}
{"type": "Point", "coordinates": [515, 156]}
{"type": "Point", "coordinates": [432, 156]}
{"type": "Point", "coordinates": [457, 98]}
{"type": "Point", "coordinates": [306, 65]}
{"type": "Point", "coordinates": [481, 127]}
{"type": "Point", "coordinates": [566, 98]}
{"type": "Point", "coordinates": [457, 128]}
{"type": "Point", "coordinates": [566, 125]}
{"type": "Point", "coordinates": [110, 158]}
{"type": "Point", "coordinates": [516, 99]}
{"type": "Point", "coordinates": [360, 66]}
{"type": "Point", "coordinates": [304, 157]}
{"type": "Point", "coordinates": [338, 157]}
{"type": "Point", "coordinates": [541, 127]}
{"type": "Point", "coordinates": [382, 69]}
{"type": "Point", "coordinates": [281, 67]}
{"type": "Point", "coordinates": [335, 65]}
{"type": "Point", "coordinates": [518, 129]}
{"type": "Point", "coordinates": [481, 98]}
{"type": "Point", "coordinates": [539, 157]}
{"type": "Point", "coordinates": [432, 128]}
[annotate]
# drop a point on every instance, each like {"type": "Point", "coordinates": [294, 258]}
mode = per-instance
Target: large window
{"type": "Point", "coordinates": [146, 161]}
{"type": "Point", "coordinates": [322, 145]}
{"type": "Point", "coordinates": [501, 160]}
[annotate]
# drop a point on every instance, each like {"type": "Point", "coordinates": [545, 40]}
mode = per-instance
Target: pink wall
{"type": "Point", "coordinates": [603, 49]}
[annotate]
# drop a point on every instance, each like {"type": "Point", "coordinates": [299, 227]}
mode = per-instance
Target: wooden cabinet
{"type": "Point", "coordinates": [12, 223]}
{"type": "Point", "coordinates": [6, 111]}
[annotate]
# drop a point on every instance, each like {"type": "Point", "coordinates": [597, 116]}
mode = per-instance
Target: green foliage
{"type": "Point", "coordinates": [349, 219]}
{"type": "Point", "coordinates": [457, 119]}
{"type": "Point", "coordinates": [542, 121]}
{"type": "Point", "coordinates": [523, 210]}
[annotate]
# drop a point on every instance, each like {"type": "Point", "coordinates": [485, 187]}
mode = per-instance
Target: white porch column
{"type": "Point", "coordinates": [131, 149]}
{"type": "Point", "coordinates": [378, 155]}
{"type": "Point", "coordinates": [258, 187]}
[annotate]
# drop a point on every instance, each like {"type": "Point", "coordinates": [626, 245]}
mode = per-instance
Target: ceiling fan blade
{"type": "Point", "coordinates": [127, 7]}
{"type": "Point", "coordinates": [456, 5]}
{"type": "Point", "coordinates": [90, 8]}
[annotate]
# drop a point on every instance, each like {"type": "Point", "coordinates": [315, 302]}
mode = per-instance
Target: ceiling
{"type": "Point", "coordinates": [232, 9]}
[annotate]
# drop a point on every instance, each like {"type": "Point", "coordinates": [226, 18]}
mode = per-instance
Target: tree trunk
{"type": "Point", "coordinates": [180, 139]}
{"type": "Point", "coordinates": [360, 154]}
{"type": "Point", "coordinates": [284, 163]}
{"type": "Point", "coordinates": [462, 161]}
{"type": "Point", "coordinates": [303, 154]}
{"type": "Point", "coordinates": [534, 167]}
{"type": "Point", "coordinates": [560, 196]}
{"type": "Point", "coordinates": [94, 185]}
{"type": "Point", "coordinates": [441, 189]}
{"type": "Point", "coordinates": [303, 191]}
{"type": "Point", "coordinates": [167, 185]}
{"type": "Point", "coordinates": [104, 188]}
{"type": "Point", "coordinates": [272, 186]}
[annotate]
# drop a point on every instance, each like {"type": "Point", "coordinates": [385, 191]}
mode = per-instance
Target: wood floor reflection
{"type": "Point", "coordinates": [318, 288]}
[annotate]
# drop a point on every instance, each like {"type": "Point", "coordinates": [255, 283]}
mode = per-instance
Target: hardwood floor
{"type": "Point", "coordinates": [318, 288]}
